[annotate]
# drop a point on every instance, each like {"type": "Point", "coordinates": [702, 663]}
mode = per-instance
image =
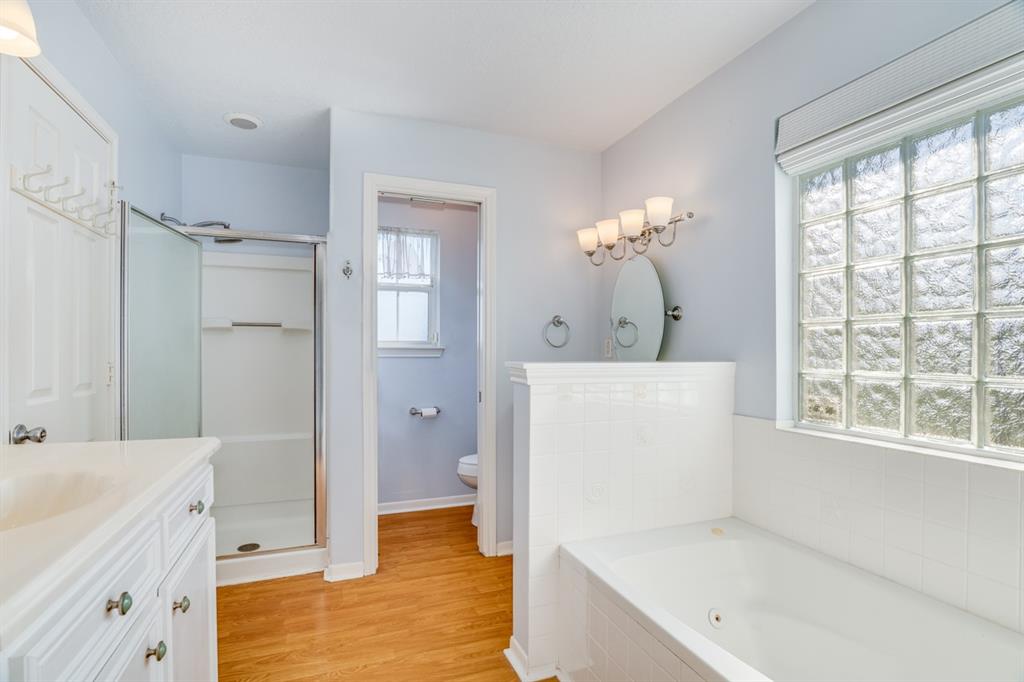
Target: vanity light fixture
{"type": "Point", "coordinates": [17, 29]}
{"type": "Point", "coordinates": [639, 227]}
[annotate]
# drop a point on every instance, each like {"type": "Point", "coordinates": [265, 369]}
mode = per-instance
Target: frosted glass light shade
{"type": "Point", "coordinates": [17, 29]}
{"type": "Point", "coordinates": [659, 210]}
{"type": "Point", "coordinates": [632, 222]}
{"type": "Point", "coordinates": [608, 230]}
{"type": "Point", "coordinates": [588, 239]}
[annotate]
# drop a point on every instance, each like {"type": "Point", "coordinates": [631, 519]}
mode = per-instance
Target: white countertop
{"type": "Point", "coordinates": [115, 480]}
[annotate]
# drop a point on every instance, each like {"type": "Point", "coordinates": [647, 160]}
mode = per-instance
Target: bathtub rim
{"type": "Point", "coordinates": [709, 660]}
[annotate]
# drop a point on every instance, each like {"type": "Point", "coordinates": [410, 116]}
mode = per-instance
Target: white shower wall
{"type": "Point", "coordinates": [258, 397]}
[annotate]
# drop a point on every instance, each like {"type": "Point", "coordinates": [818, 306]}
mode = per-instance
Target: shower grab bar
{"type": "Point", "coordinates": [256, 324]}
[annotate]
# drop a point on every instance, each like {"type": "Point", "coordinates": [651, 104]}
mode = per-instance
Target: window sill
{"type": "Point", "coordinates": [994, 458]}
{"type": "Point", "coordinates": [410, 351]}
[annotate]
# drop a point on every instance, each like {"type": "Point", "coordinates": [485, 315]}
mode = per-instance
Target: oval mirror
{"type": "Point", "coordinates": [638, 311]}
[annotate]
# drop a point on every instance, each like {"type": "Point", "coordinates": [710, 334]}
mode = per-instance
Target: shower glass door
{"type": "Point", "coordinates": [160, 333]}
{"type": "Point", "coordinates": [259, 392]}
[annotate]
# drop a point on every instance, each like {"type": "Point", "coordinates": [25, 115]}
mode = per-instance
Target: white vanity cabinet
{"type": "Point", "coordinates": [139, 604]}
{"type": "Point", "coordinates": [188, 598]}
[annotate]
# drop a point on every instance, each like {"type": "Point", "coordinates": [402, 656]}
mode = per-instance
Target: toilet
{"type": "Point", "coordinates": [467, 474]}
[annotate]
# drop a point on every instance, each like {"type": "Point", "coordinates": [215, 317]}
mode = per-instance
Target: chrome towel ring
{"type": "Point", "coordinates": [557, 321]}
{"type": "Point", "coordinates": [621, 324]}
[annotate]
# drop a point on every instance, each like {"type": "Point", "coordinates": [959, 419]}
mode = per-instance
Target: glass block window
{"type": "Point", "coordinates": [911, 286]}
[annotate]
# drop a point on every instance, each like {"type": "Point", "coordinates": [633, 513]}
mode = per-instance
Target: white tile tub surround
{"type": "Point", "coordinates": [601, 449]}
{"type": "Point", "coordinates": [945, 526]}
{"type": "Point", "coordinates": [599, 641]}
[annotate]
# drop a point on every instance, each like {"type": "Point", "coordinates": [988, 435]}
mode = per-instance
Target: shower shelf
{"type": "Point", "coordinates": [227, 324]}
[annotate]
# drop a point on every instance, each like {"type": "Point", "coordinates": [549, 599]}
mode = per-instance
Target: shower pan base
{"type": "Point", "coordinates": [247, 568]}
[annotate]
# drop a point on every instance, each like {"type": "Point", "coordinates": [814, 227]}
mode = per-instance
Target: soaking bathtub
{"type": "Point", "coordinates": [724, 600]}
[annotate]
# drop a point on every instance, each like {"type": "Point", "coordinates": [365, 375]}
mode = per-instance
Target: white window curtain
{"type": "Point", "coordinates": [405, 256]}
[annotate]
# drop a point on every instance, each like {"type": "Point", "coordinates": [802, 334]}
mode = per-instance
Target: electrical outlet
{"type": "Point", "coordinates": [609, 350]}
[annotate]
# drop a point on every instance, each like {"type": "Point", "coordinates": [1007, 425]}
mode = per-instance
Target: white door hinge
{"type": "Point", "coordinates": [110, 374]}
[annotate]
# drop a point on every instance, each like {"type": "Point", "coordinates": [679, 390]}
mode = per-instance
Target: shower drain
{"type": "Point", "coordinates": [249, 547]}
{"type": "Point", "coordinates": [716, 619]}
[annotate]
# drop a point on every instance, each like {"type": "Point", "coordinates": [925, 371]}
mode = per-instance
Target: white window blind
{"type": "Point", "coordinates": [952, 75]}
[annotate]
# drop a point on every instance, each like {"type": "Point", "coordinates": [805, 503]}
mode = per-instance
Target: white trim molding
{"type": "Point", "coordinates": [247, 569]}
{"type": "Point", "coordinates": [338, 572]}
{"type": "Point", "coordinates": [424, 504]}
{"type": "Point", "coordinates": [517, 658]}
{"type": "Point", "coordinates": [486, 198]}
{"type": "Point", "coordinates": [505, 548]}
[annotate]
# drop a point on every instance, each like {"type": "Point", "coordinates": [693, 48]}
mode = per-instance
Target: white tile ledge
{"type": "Point", "coordinates": [992, 460]}
{"type": "Point", "coordinates": [534, 373]}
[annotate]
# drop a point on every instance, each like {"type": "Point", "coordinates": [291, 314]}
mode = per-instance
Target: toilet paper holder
{"type": "Point", "coordinates": [417, 412]}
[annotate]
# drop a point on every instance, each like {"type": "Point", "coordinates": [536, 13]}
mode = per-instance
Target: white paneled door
{"type": "Point", "coordinates": [60, 359]}
{"type": "Point", "coordinates": [57, 252]}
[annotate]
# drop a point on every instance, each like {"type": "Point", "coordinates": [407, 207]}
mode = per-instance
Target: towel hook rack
{"type": "Point", "coordinates": [28, 176]}
{"type": "Point", "coordinates": [557, 321]}
{"type": "Point", "coordinates": [46, 189]}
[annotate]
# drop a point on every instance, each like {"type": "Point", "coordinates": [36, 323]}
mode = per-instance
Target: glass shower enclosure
{"type": "Point", "coordinates": [224, 337]}
{"type": "Point", "coordinates": [161, 283]}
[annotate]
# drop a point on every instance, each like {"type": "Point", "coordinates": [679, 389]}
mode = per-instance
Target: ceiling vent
{"type": "Point", "coordinates": [243, 121]}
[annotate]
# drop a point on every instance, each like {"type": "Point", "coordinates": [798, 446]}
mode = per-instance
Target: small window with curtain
{"type": "Point", "coordinates": [407, 286]}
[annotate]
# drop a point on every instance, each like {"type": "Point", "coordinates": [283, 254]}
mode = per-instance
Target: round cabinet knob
{"type": "Point", "coordinates": [198, 507]}
{"type": "Point", "coordinates": [122, 603]}
{"type": "Point", "coordinates": [158, 652]}
{"type": "Point", "coordinates": [184, 604]}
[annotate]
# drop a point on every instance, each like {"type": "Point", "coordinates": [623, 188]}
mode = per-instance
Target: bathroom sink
{"type": "Point", "coordinates": [31, 498]}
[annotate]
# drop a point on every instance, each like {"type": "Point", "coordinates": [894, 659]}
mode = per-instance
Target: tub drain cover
{"type": "Point", "coordinates": [249, 547]}
{"type": "Point", "coordinates": [716, 618]}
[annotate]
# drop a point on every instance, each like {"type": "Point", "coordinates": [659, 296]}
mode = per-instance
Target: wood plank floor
{"type": "Point", "coordinates": [436, 610]}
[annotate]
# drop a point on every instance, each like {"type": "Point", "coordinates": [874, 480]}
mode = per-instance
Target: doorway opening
{"type": "Point", "coordinates": [426, 354]}
{"type": "Point", "coordinates": [429, 423]}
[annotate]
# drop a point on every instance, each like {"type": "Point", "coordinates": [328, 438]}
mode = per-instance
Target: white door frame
{"type": "Point", "coordinates": [486, 197]}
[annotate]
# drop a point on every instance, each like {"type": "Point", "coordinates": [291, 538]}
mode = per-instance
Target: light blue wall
{"type": "Point", "coordinates": [712, 149]}
{"type": "Point", "coordinates": [544, 194]}
{"type": "Point", "coordinates": [149, 165]}
{"type": "Point", "coordinates": [417, 458]}
{"type": "Point", "coordinates": [254, 196]}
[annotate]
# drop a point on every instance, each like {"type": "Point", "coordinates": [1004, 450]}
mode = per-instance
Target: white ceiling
{"type": "Point", "coordinates": [580, 73]}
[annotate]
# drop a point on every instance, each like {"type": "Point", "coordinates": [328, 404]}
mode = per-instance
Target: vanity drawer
{"type": "Point", "coordinates": [123, 587]}
{"type": "Point", "coordinates": [189, 507]}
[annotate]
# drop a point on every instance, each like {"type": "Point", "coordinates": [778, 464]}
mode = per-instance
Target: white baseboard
{"type": "Point", "coordinates": [336, 572]}
{"type": "Point", "coordinates": [247, 569]}
{"type": "Point", "coordinates": [518, 660]}
{"type": "Point", "coordinates": [424, 504]}
{"type": "Point", "coordinates": [504, 548]}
